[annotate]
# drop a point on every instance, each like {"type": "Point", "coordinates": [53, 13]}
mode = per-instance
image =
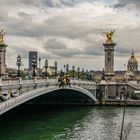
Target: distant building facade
{"type": "Point", "coordinates": [31, 55]}
{"type": "Point", "coordinates": [50, 70]}
{"type": "Point", "coordinates": [131, 73]}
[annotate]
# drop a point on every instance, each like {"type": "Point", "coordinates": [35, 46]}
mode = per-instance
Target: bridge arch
{"type": "Point", "coordinates": [51, 90]}
{"type": "Point", "coordinates": [66, 95]}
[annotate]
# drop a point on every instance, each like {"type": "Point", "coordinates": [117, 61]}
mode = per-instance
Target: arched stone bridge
{"type": "Point", "coordinates": [42, 91]}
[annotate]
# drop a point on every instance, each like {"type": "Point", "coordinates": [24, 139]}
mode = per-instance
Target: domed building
{"type": "Point", "coordinates": [132, 63]}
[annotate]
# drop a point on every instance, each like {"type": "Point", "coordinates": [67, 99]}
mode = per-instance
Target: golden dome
{"type": "Point", "coordinates": [132, 59]}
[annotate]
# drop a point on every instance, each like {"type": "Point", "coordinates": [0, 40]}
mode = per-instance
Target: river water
{"type": "Point", "coordinates": [68, 123]}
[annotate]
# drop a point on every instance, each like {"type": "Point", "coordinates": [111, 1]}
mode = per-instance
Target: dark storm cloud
{"type": "Point", "coordinates": [68, 3]}
{"type": "Point", "coordinates": [58, 3]}
{"type": "Point", "coordinates": [21, 2]}
{"type": "Point", "coordinates": [42, 3]}
{"type": "Point", "coordinates": [123, 3]}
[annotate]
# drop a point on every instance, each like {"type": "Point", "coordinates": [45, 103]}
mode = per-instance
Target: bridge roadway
{"type": "Point", "coordinates": [40, 87]}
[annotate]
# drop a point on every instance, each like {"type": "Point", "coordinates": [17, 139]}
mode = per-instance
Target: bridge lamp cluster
{"type": "Point", "coordinates": [55, 66]}
{"type": "Point", "coordinates": [46, 67]}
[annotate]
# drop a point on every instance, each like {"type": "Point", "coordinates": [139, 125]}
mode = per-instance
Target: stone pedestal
{"type": "Point", "coordinates": [3, 58]}
{"type": "Point", "coordinates": [109, 60]}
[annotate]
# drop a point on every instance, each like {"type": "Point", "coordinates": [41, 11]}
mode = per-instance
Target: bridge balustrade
{"type": "Point", "coordinates": [29, 91]}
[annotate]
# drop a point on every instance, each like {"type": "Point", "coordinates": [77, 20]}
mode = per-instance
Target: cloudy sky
{"type": "Point", "coordinates": [70, 31]}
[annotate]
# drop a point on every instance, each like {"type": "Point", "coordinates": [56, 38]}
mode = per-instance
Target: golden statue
{"type": "Point", "coordinates": [2, 33]}
{"type": "Point", "coordinates": [109, 36]}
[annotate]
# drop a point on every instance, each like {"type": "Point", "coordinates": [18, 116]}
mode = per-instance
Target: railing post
{"type": "Point", "coordinates": [20, 80]}
{"type": "Point", "coordinates": [20, 84]}
{"type": "Point", "coordinates": [26, 81]}
{"type": "Point", "coordinates": [35, 82]}
{"type": "Point", "coordinates": [9, 82]}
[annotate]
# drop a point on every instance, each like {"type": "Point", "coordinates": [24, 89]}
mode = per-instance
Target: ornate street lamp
{"type": "Point", "coordinates": [34, 66]}
{"type": "Point", "coordinates": [67, 68]}
{"type": "Point", "coordinates": [61, 73]}
{"type": "Point", "coordinates": [87, 75]}
{"type": "Point", "coordinates": [55, 66]}
{"type": "Point", "coordinates": [39, 59]}
{"type": "Point", "coordinates": [73, 70]}
{"type": "Point", "coordinates": [64, 68]}
{"type": "Point", "coordinates": [78, 73]}
{"type": "Point", "coordinates": [90, 76]}
{"type": "Point", "coordinates": [83, 74]}
{"type": "Point", "coordinates": [46, 67]}
{"type": "Point", "coordinates": [18, 64]}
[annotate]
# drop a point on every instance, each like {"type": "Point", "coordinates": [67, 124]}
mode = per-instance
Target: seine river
{"type": "Point", "coordinates": [68, 123]}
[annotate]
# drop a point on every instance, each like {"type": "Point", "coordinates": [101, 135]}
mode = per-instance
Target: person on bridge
{"type": "Point", "coordinates": [61, 81]}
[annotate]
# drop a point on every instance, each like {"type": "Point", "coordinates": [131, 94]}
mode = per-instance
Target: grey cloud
{"type": "Point", "coordinates": [68, 3]}
{"type": "Point", "coordinates": [54, 44]}
{"type": "Point", "coordinates": [60, 49]}
{"type": "Point", "coordinates": [23, 14]}
{"type": "Point", "coordinates": [96, 51]}
{"type": "Point", "coordinates": [36, 3]}
{"type": "Point", "coordinates": [22, 50]}
{"type": "Point", "coordinates": [3, 15]}
{"type": "Point", "coordinates": [123, 3]}
{"type": "Point", "coordinates": [21, 2]}
{"type": "Point", "coordinates": [69, 25]}
{"type": "Point", "coordinates": [57, 26]}
{"type": "Point", "coordinates": [122, 51]}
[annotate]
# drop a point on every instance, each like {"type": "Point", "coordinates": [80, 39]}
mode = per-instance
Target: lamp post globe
{"type": "Point", "coordinates": [34, 66]}
{"type": "Point", "coordinates": [19, 63]}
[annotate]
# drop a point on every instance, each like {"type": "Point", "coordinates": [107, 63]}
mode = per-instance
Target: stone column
{"type": "Point", "coordinates": [109, 58]}
{"type": "Point", "coordinates": [3, 58]}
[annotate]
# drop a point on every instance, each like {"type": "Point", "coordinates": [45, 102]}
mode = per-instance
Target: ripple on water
{"type": "Point", "coordinates": [69, 123]}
